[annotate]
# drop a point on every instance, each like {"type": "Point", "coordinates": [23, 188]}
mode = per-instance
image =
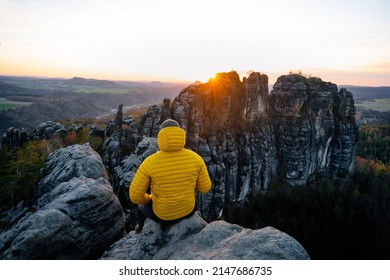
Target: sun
{"type": "Point", "coordinates": [216, 83]}
{"type": "Point", "coordinates": [212, 79]}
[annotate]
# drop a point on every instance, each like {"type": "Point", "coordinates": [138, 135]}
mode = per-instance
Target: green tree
{"type": "Point", "coordinates": [21, 173]}
{"type": "Point", "coordinates": [331, 219]}
{"type": "Point", "coordinates": [374, 143]}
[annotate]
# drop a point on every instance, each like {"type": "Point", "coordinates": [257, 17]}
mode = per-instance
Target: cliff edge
{"type": "Point", "coordinates": [194, 239]}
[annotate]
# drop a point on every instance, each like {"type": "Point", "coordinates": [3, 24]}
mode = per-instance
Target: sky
{"type": "Point", "coordinates": [343, 41]}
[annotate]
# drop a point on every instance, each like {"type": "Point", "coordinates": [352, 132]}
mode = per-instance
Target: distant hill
{"type": "Point", "coordinates": [92, 82]}
{"type": "Point", "coordinates": [6, 88]}
{"type": "Point", "coordinates": [60, 99]}
{"type": "Point", "coordinates": [363, 92]}
{"type": "Point", "coordinates": [13, 85]}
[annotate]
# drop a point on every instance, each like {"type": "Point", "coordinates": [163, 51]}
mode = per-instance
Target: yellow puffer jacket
{"type": "Point", "coordinates": [173, 174]}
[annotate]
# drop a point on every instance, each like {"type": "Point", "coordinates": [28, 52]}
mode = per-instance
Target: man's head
{"type": "Point", "coordinates": [168, 123]}
{"type": "Point", "coordinates": [171, 137]}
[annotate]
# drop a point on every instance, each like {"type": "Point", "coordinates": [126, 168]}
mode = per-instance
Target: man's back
{"type": "Point", "coordinates": [173, 174]}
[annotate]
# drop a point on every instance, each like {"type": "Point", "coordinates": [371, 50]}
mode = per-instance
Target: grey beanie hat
{"type": "Point", "coordinates": [169, 122]}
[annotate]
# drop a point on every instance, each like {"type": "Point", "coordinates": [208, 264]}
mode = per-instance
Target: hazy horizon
{"type": "Point", "coordinates": [272, 79]}
{"type": "Point", "coordinates": [344, 42]}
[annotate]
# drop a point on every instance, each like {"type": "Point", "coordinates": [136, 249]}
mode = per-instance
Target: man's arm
{"type": "Point", "coordinates": [140, 184]}
{"type": "Point", "coordinates": [204, 183]}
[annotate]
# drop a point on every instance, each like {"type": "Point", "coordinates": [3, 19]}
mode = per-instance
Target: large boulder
{"type": "Point", "coordinates": [77, 215]}
{"type": "Point", "coordinates": [72, 162]}
{"type": "Point", "coordinates": [193, 238]}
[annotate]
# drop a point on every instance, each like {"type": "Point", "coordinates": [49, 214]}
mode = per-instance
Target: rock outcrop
{"type": "Point", "coordinates": [193, 239]}
{"type": "Point", "coordinates": [227, 124]}
{"type": "Point", "coordinates": [46, 130]}
{"type": "Point", "coordinates": [77, 215]}
{"type": "Point", "coordinates": [14, 138]}
{"type": "Point", "coordinates": [314, 127]}
{"type": "Point", "coordinates": [249, 136]}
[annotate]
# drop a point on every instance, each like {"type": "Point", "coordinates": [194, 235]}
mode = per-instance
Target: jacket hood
{"type": "Point", "coordinates": [171, 139]}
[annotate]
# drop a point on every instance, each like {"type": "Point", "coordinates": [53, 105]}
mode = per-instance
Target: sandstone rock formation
{"type": "Point", "coordinates": [193, 238]}
{"type": "Point", "coordinates": [311, 129]}
{"type": "Point", "coordinates": [14, 138]}
{"type": "Point", "coordinates": [77, 215]}
{"type": "Point", "coordinates": [249, 137]}
{"type": "Point", "coordinates": [47, 130]}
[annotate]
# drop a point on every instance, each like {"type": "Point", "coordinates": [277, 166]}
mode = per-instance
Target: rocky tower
{"type": "Point", "coordinates": [248, 136]}
{"type": "Point", "coordinates": [14, 138]}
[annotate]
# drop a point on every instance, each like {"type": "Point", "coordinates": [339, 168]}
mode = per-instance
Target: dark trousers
{"type": "Point", "coordinates": [146, 211]}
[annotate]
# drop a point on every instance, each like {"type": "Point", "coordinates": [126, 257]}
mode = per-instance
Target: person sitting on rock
{"type": "Point", "coordinates": [172, 174]}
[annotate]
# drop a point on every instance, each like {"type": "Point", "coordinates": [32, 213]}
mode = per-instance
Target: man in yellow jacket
{"type": "Point", "coordinates": [172, 174]}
